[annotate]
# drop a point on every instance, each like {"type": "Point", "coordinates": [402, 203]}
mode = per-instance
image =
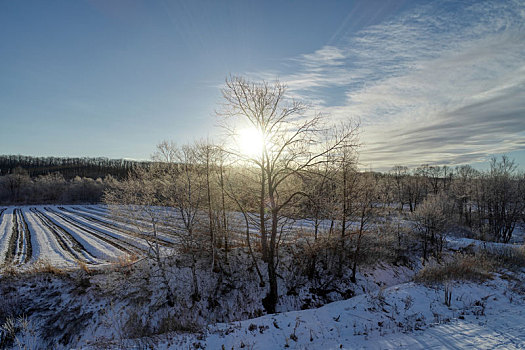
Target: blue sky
{"type": "Point", "coordinates": [432, 82]}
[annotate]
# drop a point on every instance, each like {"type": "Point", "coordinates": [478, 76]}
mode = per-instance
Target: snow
{"type": "Point", "coordinates": [118, 225]}
{"type": "Point", "coordinates": [411, 316]}
{"type": "Point", "coordinates": [91, 243]}
{"type": "Point", "coordinates": [391, 311]}
{"type": "Point", "coordinates": [5, 232]}
{"type": "Point", "coordinates": [460, 243]}
{"type": "Point", "coordinates": [45, 245]}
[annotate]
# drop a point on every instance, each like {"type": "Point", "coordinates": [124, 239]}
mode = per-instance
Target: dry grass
{"type": "Point", "coordinates": [10, 271]}
{"type": "Point", "coordinates": [44, 266]}
{"type": "Point", "coordinates": [475, 266]}
{"type": "Point", "coordinates": [470, 267]}
{"type": "Point", "coordinates": [124, 264]}
{"type": "Point", "coordinates": [83, 266]}
{"type": "Point", "coordinates": [507, 257]}
{"type": "Point", "coordinates": [39, 267]}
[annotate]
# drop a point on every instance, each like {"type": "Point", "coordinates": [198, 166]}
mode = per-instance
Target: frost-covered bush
{"type": "Point", "coordinates": [432, 220]}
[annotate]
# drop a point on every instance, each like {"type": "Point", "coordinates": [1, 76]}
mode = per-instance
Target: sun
{"type": "Point", "coordinates": [251, 142]}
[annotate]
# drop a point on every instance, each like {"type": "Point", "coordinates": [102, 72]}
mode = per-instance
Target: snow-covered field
{"type": "Point", "coordinates": [95, 309]}
{"type": "Point", "coordinates": [65, 236]}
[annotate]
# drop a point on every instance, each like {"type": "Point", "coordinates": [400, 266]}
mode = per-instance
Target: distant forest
{"type": "Point", "coordinates": [69, 168]}
{"type": "Point", "coordinates": [34, 180]}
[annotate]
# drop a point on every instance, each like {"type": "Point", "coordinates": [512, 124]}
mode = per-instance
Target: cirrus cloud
{"type": "Point", "coordinates": [439, 84]}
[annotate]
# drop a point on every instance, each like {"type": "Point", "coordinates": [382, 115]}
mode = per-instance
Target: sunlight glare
{"type": "Point", "coordinates": [251, 142]}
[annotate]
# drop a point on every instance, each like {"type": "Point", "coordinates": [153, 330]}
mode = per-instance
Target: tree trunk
{"type": "Point", "coordinates": [264, 242]}
{"type": "Point", "coordinates": [271, 299]}
{"type": "Point", "coordinates": [210, 211]}
{"type": "Point", "coordinates": [356, 256]}
{"type": "Point", "coordinates": [224, 222]}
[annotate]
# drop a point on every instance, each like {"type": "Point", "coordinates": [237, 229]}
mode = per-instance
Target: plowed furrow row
{"type": "Point", "coordinates": [113, 226]}
{"type": "Point", "coordinates": [19, 250]}
{"type": "Point", "coordinates": [66, 241]}
{"type": "Point", "coordinates": [98, 234]}
{"type": "Point", "coordinates": [25, 246]}
{"type": "Point", "coordinates": [176, 227]}
{"type": "Point", "coordinates": [13, 241]}
{"type": "Point", "coordinates": [97, 209]}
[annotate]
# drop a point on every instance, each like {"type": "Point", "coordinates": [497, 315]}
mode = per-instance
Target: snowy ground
{"type": "Point", "coordinates": [408, 316]}
{"type": "Point", "coordinates": [488, 315]}
{"type": "Point", "coordinates": [90, 311]}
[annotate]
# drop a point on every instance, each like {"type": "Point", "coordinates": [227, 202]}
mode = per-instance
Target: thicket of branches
{"type": "Point", "coordinates": [300, 205]}
{"type": "Point", "coordinates": [488, 203]}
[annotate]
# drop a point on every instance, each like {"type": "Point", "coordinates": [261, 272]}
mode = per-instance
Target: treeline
{"type": "Point", "coordinates": [19, 188]}
{"type": "Point", "coordinates": [69, 168]}
{"type": "Point", "coordinates": [488, 202]}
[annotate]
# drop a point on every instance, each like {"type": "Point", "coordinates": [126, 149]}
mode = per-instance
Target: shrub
{"type": "Point", "coordinates": [472, 267]}
{"type": "Point", "coordinates": [507, 257]}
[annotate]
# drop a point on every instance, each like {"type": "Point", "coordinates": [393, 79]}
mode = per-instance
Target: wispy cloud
{"type": "Point", "coordinates": [443, 83]}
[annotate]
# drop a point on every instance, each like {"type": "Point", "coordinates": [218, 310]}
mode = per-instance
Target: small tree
{"type": "Point", "coordinates": [15, 183]}
{"type": "Point", "coordinates": [167, 199]}
{"type": "Point", "coordinates": [504, 202]}
{"type": "Point", "coordinates": [431, 219]}
{"type": "Point", "coordinates": [463, 191]}
{"type": "Point", "coordinates": [398, 175]}
{"type": "Point", "coordinates": [364, 214]}
{"type": "Point", "coordinates": [138, 198]}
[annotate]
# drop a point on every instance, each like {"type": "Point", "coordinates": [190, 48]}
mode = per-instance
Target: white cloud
{"type": "Point", "coordinates": [327, 56]}
{"type": "Point", "coordinates": [441, 83]}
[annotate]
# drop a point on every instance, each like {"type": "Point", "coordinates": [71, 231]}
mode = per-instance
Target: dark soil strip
{"type": "Point", "coordinates": [11, 248]}
{"type": "Point", "coordinates": [99, 234]}
{"type": "Point", "coordinates": [67, 242]}
{"type": "Point", "coordinates": [2, 214]}
{"type": "Point", "coordinates": [115, 227]}
{"type": "Point", "coordinates": [124, 218]}
{"type": "Point", "coordinates": [26, 238]}
{"type": "Point", "coordinates": [20, 241]}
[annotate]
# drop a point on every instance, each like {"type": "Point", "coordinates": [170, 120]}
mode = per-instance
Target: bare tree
{"type": "Point", "coordinates": [364, 214]}
{"type": "Point", "coordinates": [290, 146]}
{"type": "Point", "coordinates": [504, 204]}
{"type": "Point", "coordinates": [186, 192]}
{"type": "Point", "coordinates": [347, 176]}
{"type": "Point", "coordinates": [463, 191]}
{"type": "Point", "coordinates": [432, 218]}
{"type": "Point", "coordinates": [15, 182]}
{"type": "Point", "coordinates": [399, 173]}
{"type": "Point", "coordinates": [167, 198]}
{"type": "Point", "coordinates": [138, 199]}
